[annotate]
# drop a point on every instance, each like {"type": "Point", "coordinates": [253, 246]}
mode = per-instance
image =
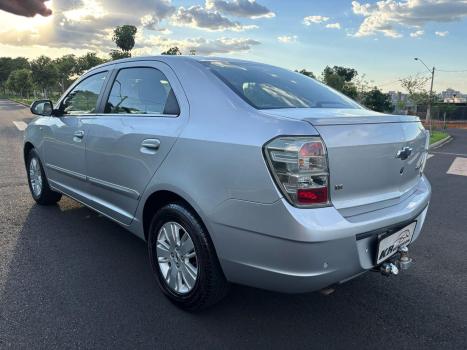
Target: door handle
{"type": "Point", "coordinates": [150, 145]}
{"type": "Point", "coordinates": [79, 134]}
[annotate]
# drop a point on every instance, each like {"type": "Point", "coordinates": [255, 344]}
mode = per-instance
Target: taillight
{"type": "Point", "coordinates": [299, 166]}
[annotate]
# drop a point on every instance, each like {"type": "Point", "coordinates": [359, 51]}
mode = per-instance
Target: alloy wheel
{"type": "Point", "coordinates": [35, 176]}
{"type": "Point", "coordinates": [176, 256]}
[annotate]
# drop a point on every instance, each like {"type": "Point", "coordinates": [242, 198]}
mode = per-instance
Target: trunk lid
{"type": "Point", "coordinates": [362, 146]}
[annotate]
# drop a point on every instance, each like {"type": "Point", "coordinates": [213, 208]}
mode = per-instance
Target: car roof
{"type": "Point", "coordinates": [171, 58]}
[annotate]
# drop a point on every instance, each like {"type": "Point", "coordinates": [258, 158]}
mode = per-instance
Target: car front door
{"type": "Point", "coordinates": [65, 141]}
{"type": "Point", "coordinates": [144, 109]}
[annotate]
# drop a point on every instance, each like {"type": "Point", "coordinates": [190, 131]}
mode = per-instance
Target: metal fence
{"type": "Point", "coordinates": [445, 116]}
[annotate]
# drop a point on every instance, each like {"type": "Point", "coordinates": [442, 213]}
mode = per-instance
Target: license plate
{"type": "Point", "coordinates": [388, 245]}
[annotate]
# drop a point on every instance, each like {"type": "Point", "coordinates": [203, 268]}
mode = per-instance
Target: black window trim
{"type": "Point", "coordinates": [78, 82]}
{"type": "Point", "coordinates": [108, 88]}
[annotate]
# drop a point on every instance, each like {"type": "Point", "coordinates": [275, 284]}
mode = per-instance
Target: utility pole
{"type": "Point", "coordinates": [430, 102]}
{"type": "Point", "coordinates": [428, 111]}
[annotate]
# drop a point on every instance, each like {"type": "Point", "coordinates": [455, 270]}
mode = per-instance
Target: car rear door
{"type": "Point", "coordinates": [65, 141]}
{"type": "Point", "coordinates": [142, 113]}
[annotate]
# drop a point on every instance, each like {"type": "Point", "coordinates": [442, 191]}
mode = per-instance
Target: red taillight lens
{"type": "Point", "coordinates": [312, 196]}
{"type": "Point", "coordinates": [299, 166]}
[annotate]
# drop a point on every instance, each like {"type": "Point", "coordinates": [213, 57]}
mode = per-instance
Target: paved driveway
{"type": "Point", "coordinates": [70, 278]}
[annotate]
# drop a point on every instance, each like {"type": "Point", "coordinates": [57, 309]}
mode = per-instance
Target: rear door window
{"type": "Point", "coordinates": [141, 90]}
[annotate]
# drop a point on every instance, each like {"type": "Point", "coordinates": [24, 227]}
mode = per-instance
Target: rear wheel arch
{"type": "Point", "coordinates": [163, 207]}
{"type": "Point", "coordinates": [159, 199]}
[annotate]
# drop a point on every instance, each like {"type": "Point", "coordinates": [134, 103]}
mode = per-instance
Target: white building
{"type": "Point", "coordinates": [453, 96]}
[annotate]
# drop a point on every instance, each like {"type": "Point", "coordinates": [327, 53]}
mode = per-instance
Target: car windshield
{"type": "Point", "coordinates": [269, 87]}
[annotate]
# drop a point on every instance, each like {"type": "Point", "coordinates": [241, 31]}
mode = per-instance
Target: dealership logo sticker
{"type": "Point", "coordinates": [390, 245]}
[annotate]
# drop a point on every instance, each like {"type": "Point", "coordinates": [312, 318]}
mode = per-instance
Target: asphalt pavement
{"type": "Point", "coordinates": [70, 278]}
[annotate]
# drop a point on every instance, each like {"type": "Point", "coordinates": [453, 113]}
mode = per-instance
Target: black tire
{"type": "Point", "coordinates": [211, 285]}
{"type": "Point", "coordinates": [46, 195]}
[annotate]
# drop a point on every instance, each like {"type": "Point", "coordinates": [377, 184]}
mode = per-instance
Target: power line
{"type": "Point", "coordinates": [452, 71]}
{"type": "Point", "coordinates": [420, 74]}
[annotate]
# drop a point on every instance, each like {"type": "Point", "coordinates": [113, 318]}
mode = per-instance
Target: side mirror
{"type": "Point", "coordinates": [42, 107]}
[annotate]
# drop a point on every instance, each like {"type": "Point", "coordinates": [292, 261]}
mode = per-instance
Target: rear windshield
{"type": "Point", "coordinates": [269, 87]}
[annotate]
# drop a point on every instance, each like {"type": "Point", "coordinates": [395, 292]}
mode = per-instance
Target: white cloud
{"type": "Point", "coordinates": [333, 25]}
{"type": "Point", "coordinates": [287, 39]}
{"type": "Point", "coordinates": [388, 16]}
{"type": "Point", "coordinates": [84, 24]}
{"type": "Point", "coordinates": [442, 34]}
{"type": "Point", "coordinates": [88, 25]}
{"type": "Point", "coordinates": [417, 33]}
{"type": "Point", "coordinates": [162, 9]}
{"type": "Point", "coordinates": [240, 8]}
{"type": "Point", "coordinates": [361, 9]}
{"type": "Point", "coordinates": [202, 46]}
{"type": "Point", "coordinates": [89, 10]}
{"type": "Point", "coordinates": [151, 22]}
{"type": "Point", "coordinates": [201, 18]}
{"type": "Point", "coordinates": [309, 20]}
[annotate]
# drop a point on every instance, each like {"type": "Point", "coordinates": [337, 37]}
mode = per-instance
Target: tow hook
{"type": "Point", "coordinates": [403, 262]}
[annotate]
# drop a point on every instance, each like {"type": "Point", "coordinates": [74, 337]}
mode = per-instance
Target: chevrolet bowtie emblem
{"type": "Point", "coordinates": [404, 153]}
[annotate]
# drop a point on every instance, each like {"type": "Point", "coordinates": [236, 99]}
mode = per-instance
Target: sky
{"type": "Point", "coordinates": [378, 38]}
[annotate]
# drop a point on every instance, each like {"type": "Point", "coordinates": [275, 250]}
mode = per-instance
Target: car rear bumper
{"type": "Point", "coordinates": [282, 248]}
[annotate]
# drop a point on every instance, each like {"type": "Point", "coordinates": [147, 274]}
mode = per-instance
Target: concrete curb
{"type": "Point", "coordinates": [441, 142]}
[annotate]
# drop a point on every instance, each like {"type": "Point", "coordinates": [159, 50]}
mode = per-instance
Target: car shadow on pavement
{"type": "Point", "coordinates": [76, 279]}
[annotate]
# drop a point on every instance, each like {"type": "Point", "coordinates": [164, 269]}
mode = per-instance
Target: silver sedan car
{"type": "Point", "coordinates": [234, 171]}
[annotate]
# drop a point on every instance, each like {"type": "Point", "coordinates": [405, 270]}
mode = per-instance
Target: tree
{"type": "Point", "coordinates": [347, 73]}
{"type": "Point", "coordinates": [416, 88]}
{"type": "Point", "coordinates": [307, 73]}
{"type": "Point", "coordinates": [117, 54]}
{"type": "Point", "coordinates": [8, 65]}
{"type": "Point", "coordinates": [66, 68]}
{"type": "Point", "coordinates": [172, 51]}
{"type": "Point", "coordinates": [377, 100]}
{"type": "Point", "coordinates": [44, 74]}
{"type": "Point", "coordinates": [124, 37]}
{"type": "Point", "coordinates": [363, 87]}
{"type": "Point", "coordinates": [340, 78]}
{"type": "Point", "coordinates": [20, 82]}
{"type": "Point", "coordinates": [87, 61]}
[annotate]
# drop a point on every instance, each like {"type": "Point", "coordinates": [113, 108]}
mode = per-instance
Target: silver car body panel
{"type": "Point", "coordinates": [212, 156]}
{"type": "Point", "coordinates": [119, 165]}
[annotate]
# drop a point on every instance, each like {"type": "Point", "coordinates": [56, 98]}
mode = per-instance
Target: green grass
{"type": "Point", "coordinates": [26, 101]}
{"type": "Point", "coordinates": [437, 136]}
